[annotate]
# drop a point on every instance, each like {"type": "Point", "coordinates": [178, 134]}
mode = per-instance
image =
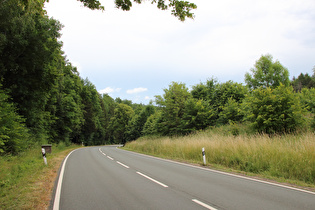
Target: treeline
{"type": "Point", "coordinates": [268, 103]}
{"type": "Point", "coordinates": [43, 98]}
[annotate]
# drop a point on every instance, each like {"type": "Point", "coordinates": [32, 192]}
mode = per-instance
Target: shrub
{"type": "Point", "coordinates": [274, 110]}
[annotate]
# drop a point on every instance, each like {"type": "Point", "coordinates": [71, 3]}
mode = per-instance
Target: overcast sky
{"type": "Point", "coordinates": [134, 55]}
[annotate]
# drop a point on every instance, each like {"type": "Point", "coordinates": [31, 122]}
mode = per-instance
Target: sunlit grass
{"type": "Point", "coordinates": [289, 156]}
{"type": "Point", "coordinates": [25, 181]}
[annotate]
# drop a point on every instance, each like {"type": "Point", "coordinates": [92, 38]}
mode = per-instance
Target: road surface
{"type": "Point", "coordinates": [110, 178]}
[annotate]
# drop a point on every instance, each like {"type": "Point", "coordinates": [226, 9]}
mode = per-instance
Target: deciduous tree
{"type": "Point", "coordinates": [136, 123]}
{"type": "Point", "coordinates": [172, 106]}
{"type": "Point", "coordinates": [119, 122]}
{"type": "Point", "coordinates": [92, 130]}
{"type": "Point", "coordinates": [28, 49]}
{"type": "Point", "coordinates": [267, 73]}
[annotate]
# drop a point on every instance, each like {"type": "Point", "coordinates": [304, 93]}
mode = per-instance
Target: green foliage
{"type": "Point", "coordinates": [307, 97]}
{"type": "Point", "coordinates": [150, 128]}
{"type": "Point", "coordinates": [173, 107]}
{"type": "Point", "coordinates": [92, 4]}
{"type": "Point", "coordinates": [93, 131]}
{"type": "Point", "coordinates": [118, 123]}
{"type": "Point", "coordinates": [303, 81]}
{"type": "Point", "coordinates": [229, 90]}
{"type": "Point", "coordinates": [229, 96]}
{"type": "Point", "coordinates": [13, 133]}
{"type": "Point", "coordinates": [231, 112]}
{"type": "Point", "coordinates": [197, 116]}
{"type": "Point", "coordinates": [66, 106]}
{"type": "Point", "coordinates": [223, 100]}
{"type": "Point", "coordinates": [108, 112]}
{"type": "Point", "coordinates": [136, 123]}
{"type": "Point", "coordinates": [274, 110]}
{"type": "Point", "coordinates": [57, 105]}
{"type": "Point", "coordinates": [208, 104]}
{"type": "Point", "coordinates": [28, 50]}
{"type": "Point", "coordinates": [205, 91]}
{"type": "Point", "coordinates": [180, 9]}
{"type": "Point", "coordinates": [267, 73]}
{"type": "Point", "coordinates": [44, 98]}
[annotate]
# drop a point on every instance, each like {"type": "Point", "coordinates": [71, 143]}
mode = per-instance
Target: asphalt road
{"type": "Point", "coordinates": [110, 178]}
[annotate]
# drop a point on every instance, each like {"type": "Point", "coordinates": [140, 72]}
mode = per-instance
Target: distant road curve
{"type": "Point", "coordinates": [109, 178]}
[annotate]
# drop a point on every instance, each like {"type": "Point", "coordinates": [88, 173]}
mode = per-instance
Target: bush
{"type": "Point", "coordinates": [274, 110]}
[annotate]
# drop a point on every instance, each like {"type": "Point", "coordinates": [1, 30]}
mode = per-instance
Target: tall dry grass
{"type": "Point", "coordinates": [287, 156]}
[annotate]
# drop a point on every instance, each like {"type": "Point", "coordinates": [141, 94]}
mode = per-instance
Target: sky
{"type": "Point", "coordinates": [136, 54]}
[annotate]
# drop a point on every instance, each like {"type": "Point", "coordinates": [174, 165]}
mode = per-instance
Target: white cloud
{"type": "Point", "coordinates": [109, 90]}
{"type": "Point", "coordinates": [137, 90]}
{"type": "Point", "coordinates": [147, 98]}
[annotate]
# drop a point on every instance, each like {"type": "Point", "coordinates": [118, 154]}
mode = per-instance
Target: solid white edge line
{"type": "Point", "coordinates": [122, 164]}
{"type": "Point", "coordinates": [58, 189]}
{"type": "Point", "coordinates": [203, 204]}
{"type": "Point", "coordinates": [153, 180]}
{"type": "Point", "coordinates": [225, 173]}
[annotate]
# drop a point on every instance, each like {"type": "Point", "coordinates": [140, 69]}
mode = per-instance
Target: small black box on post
{"type": "Point", "coordinates": [47, 148]}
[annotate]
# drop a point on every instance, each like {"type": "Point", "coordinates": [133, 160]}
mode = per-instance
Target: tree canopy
{"type": "Point", "coordinates": [180, 9]}
{"type": "Point", "coordinates": [267, 73]}
{"type": "Point", "coordinates": [303, 81]}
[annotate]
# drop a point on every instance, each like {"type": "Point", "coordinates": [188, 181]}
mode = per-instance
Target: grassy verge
{"type": "Point", "coordinates": [26, 182]}
{"type": "Point", "coordinates": [288, 158]}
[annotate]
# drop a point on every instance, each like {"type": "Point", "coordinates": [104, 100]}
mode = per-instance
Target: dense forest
{"type": "Point", "coordinates": [43, 99]}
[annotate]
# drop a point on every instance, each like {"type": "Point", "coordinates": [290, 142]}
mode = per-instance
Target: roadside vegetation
{"type": "Point", "coordinates": [43, 99]}
{"type": "Point", "coordinates": [26, 182]}
{"type": "Point", "coordinates": [264, 126]}
{"type": "Point", "coordinates": [285, 158]}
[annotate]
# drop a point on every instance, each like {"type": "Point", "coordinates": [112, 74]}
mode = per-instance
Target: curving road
{"type": "Point", "coordinates": [110, 178]}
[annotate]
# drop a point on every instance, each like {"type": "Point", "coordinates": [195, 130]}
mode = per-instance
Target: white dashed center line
{"type": "Point", "coordinates": [122, 164]}
{"type": "Point", "coordinates": [203, 204]}
{"type": "Point", "coordinates": [101, 151]}
{"type": "Point", "coordinates": [153, 180]}
{"type": "Point", "coordinates": [110, 157]}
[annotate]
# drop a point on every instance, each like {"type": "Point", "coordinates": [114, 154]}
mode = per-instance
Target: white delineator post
{"type": "Point", "coordinates": [203, 156]}
{"type": "Point", "coordinates": [44, 155]}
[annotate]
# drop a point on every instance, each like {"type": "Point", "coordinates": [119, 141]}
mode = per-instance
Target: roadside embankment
{"type": "Point", "coordinates": [26, 182]}
{"type": "Point", "coordinates": [286, 158]}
